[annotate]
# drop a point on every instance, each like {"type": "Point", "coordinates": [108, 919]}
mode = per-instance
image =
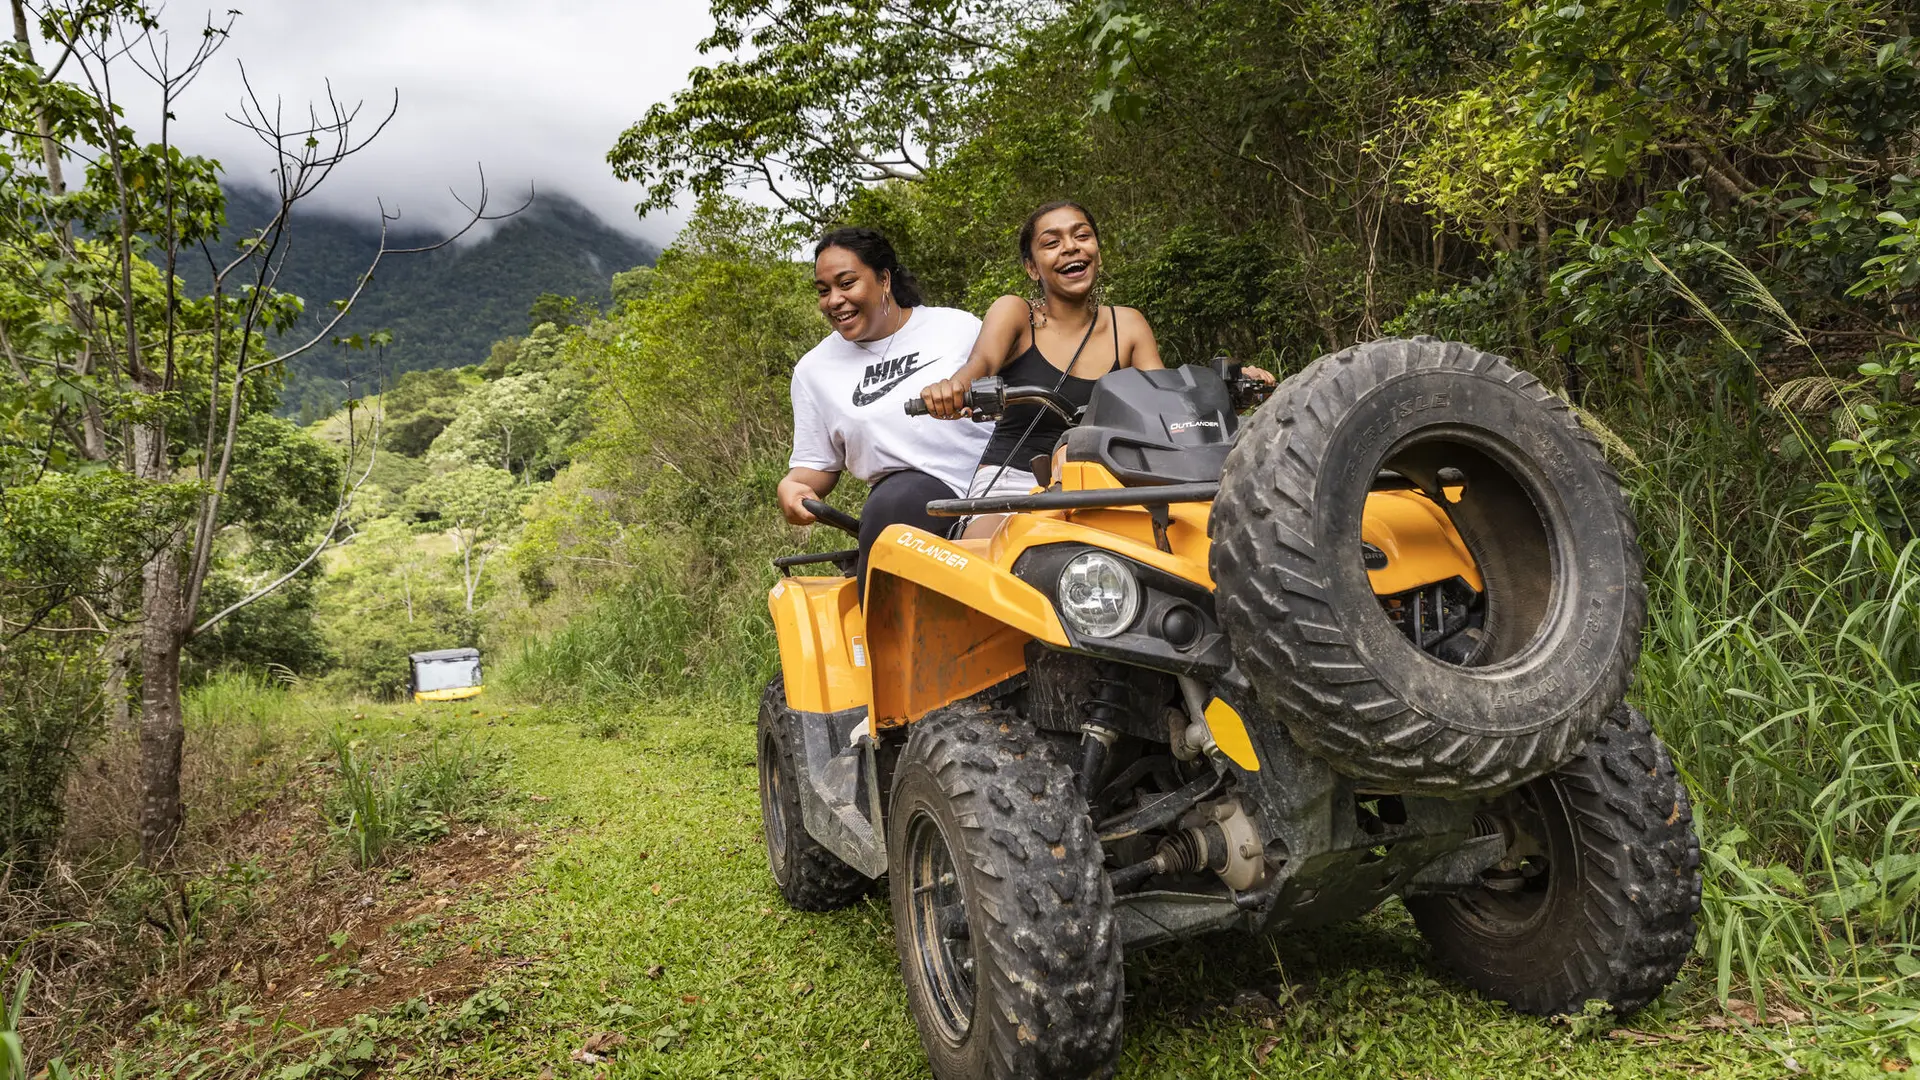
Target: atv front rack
{"type": "Point", "coordinates": [1095, 499]}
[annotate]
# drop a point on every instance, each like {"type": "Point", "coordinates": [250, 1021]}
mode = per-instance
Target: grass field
{"type": "Point", "coordinates": [638, 904]}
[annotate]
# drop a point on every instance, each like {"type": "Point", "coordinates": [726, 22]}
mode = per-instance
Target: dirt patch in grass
{"type": "Point", "coordinates": [362, 941]}
{"type": "Point", "coordinates": [263, 914]}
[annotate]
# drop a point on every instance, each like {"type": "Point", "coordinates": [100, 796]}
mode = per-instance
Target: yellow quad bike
{"type": "Point", "coordinates": [1372, 643]}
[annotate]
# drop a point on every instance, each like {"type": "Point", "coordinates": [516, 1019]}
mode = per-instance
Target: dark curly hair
{"type": "Point", "coordinates": [872, 247]}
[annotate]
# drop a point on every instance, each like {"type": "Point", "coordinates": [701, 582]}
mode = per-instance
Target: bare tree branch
{"type": "Point", "coordinates": [326, 539]}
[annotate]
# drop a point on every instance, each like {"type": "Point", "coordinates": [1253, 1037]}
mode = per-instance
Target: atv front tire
{"type": "Point", "coordinates": [1002, 913]}
{"type": "Point", "coordinates": [1540, 511]}
{"type": "Point", "coordinates": [1598, 896]}
{"type": "Point", "coordinates": [809, 877]}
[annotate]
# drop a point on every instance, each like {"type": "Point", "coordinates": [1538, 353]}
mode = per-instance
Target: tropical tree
{"type": "Point", "coordinates": [821, 98]}
{"type": "Point", "coordinates": [479, 506]}
{"type": "Point", "coordinates": [115, 369]}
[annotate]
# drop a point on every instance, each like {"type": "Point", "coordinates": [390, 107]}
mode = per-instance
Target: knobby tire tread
{"type": "Point", "coordinates": [1043, 927]}
{"type": "Point", "coordinates": [818, 880]}
{"type": "Point", "coordinates": [1278, 605]}
{"type": "Point", "coordinates": [1631, 922]}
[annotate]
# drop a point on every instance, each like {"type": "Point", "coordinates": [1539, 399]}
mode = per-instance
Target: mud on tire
{"type": "Point", "coordinates": [1541, 513]}
{"type": "Point", "coordinates": [810, 877]}
{"type": "Point", "coordinates": [1002, 914]}
{"type": "Point", "coordinates": [1607, 912]}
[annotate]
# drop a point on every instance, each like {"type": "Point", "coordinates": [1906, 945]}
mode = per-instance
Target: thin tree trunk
{"type": "Point", "coordinates": [162, 727]}
{"type": "Point", "coordinates": [93, 429]}
{"type": "Point", "coordinates": [49, 150]}
{"type": "Point", "coordinates": [120, 650]}
{"type": "Point", "coordinates": [466, 570]}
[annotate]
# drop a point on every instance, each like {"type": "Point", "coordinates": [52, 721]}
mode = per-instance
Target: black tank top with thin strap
{"type": "Point", "coordinates": [1031, 368]}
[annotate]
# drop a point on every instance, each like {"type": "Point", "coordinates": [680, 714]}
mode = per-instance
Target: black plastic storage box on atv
{"type": "Point", "coordinates": [1374, 643]}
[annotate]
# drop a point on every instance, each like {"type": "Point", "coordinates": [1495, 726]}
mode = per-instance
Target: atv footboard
{"type": "Point", "coordinates": [840, 788]}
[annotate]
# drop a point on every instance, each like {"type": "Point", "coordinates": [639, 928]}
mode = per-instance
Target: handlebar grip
{"type": "Point", "coordinates": [916, 407]}
{"type": "Point", "coordinates": [828, 515]}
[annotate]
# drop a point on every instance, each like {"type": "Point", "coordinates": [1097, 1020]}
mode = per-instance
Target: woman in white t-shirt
{"type": "Point", "coordinates": [850, 393]}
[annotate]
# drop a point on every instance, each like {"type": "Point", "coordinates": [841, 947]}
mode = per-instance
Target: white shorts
{"type": "Point", "coordinates": [1011, 481]}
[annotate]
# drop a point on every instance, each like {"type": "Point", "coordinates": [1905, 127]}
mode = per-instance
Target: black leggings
{"type": "Point", "coordinates": [900, 498]}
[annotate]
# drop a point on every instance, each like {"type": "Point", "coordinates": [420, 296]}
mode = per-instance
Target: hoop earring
{"type": "Point", "coordinates": [886, 307]}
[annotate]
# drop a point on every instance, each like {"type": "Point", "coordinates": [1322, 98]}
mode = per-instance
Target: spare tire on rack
{"type": "Point", "coordinates": [1541, 513]}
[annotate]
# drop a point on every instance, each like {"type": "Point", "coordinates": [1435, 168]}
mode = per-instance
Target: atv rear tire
{"type": "Point", "coordinates": [1541, 513]}
{"type": "Point", "coordinates": [809, 877]}
{"type": "Point", "coordinates": [992, 858]}
{"type": "Point", "coordinates": [1602, 907]}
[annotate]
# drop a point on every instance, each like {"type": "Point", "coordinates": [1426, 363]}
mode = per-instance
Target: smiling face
{"type": "Point", "coordinates": [1066, 254]}
{"type": "Point", "coordinates": [852, 297]}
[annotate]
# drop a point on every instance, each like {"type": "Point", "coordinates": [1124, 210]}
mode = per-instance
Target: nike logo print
{"type": "Point", "coordinates": [862, 396]}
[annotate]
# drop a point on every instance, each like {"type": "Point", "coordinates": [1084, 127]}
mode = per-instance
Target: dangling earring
{"type": "Point", "coordinates": [1097, 295]}
{"type": "Point", "coordinates": [1038, 304]}
{"type": "Point", "coordinates": [886, 307]}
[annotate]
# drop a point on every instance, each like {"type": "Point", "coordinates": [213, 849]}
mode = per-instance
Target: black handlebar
{"type": "Point", "coordinates": [989, 397]}
{"type": "Point", "coordinates": [839, 519]}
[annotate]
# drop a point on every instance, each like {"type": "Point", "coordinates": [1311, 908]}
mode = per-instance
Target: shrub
{"type": "Point", "coordinates": [379, 803]}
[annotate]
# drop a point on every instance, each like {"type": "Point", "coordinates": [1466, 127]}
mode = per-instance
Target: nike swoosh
{"type": "Point", "coordinates": [861, 399]}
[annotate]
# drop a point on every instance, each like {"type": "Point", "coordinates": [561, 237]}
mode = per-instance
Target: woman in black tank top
{"type": "Point", "coordinates": [1065, 340]}
{"type": "Point", "coordinates": [1028, 430]}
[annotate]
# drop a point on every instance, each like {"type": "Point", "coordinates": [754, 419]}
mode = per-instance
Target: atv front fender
{"type": "Point", "coordinates": [944, 622]}
{"type": "Point", "coordinates": [823, 651]}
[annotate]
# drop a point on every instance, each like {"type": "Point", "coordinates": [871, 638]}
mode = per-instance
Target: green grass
{"type": "Point", "coordinates": [1780, 671]}
{"type": "Point", "coordinates": [650, 913]}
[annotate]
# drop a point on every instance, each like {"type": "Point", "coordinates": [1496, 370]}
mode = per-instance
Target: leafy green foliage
{"type": "Point", "coordinates": [380, 802]}
{"type": "Point", "coordinates": [478, 505]}
{"type": "Point", "coordinates": [818, 98]}
{"type": "Point", "coordinates": [388, 593]}
{"type": "Point", "coordinates": [419, 406]}
{"type": "Point", "coordinates": [690, 412]}
{"type": "Point", "coordinates": [69, 545]}
{"type": "Point", "coordinates": [516, 424]}
{"type": "Point", "coordinates": [558, 310]}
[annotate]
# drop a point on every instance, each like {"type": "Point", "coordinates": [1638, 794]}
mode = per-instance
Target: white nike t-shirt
{"type": "Point", "coordinates": [849, 402]}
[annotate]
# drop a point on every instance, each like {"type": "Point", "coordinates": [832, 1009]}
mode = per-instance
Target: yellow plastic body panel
{"type": "Point", "coordinates": [948, 618]}
{"type": "Point", "coordinates": [1420, 543]}
{"type": "Point", "coordinates": [1230, 735]}
{"type": "Point", "coordinates": [822, 643]}
{"type": "Point", "coordinates": [945, 621]}
{"type": "Point", "coordinates": [457, 693]}
{"type": "Point", "coordinates": [1124, 531]}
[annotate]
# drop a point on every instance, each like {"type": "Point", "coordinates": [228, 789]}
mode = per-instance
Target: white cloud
{"type": "Point", "coordinates": [537, 93]}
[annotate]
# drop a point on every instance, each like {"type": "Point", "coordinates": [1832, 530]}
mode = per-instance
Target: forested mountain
{"type": "Point", "coordinates": [444, 307]}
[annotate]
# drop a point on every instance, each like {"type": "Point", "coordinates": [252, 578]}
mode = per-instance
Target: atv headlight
{"type": "Point", "coordinates": [1098, 595]}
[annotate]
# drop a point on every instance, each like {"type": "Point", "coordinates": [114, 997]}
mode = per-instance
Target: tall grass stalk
{"type": "Point", "coordinates": [239, 701]}
{"type": "Point", "coordinates": [371, 802]}
{"type": "Point", "coordinates": [13, 1053]}
{"type": "Point", "coordinates": [1786, 677]}
{"type": "Point", "coordinates": [652, 637]}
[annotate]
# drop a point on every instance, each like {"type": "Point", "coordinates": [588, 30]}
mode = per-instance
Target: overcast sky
{"type": "Point", "coordinates": [535, 92]}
